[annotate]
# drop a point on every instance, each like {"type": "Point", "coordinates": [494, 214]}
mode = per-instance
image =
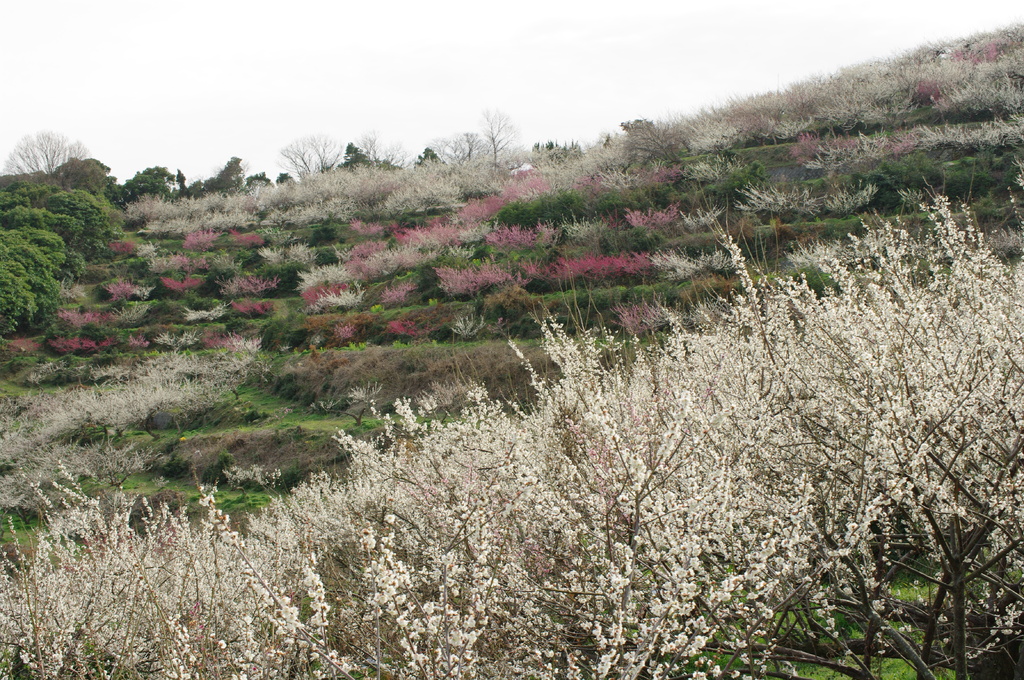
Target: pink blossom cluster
{"type": "Point", "coordinates": [404, 327]}
{"type": "Point", "coordinates": [23, 345]}
{"type": "Point", "coordinates": [927, 92]}
{"type": "Point", "coordinates": [248, 286]}
{"type": "Point", "coordinates": [63, 345]}
{"type": "Point", "coordinates": [806, 147]}
{"type": "Point", "coordinates": [246, 240]}
{"type": "Point", "coordinates": [363, 250]}
{"type": "Point", "coordinates": [343, 332]}
{"type": "Point", "coordinates": [137, 341]}
{"type": "Point", "coordinates": [594, 267]}
{"type": "Point", "coordinates": [222, 341]}
{"type": "Point", "coordinates": [525, 185]}
{"type": "Point", "coordinates": [982, 54]}
{"type": "Point", "coordinates": [186, 264]}
{"type": "Point", "coordinates": [252, 307]}
{"type": "Point", "coordinates": [122, 290]}
{"type": "Point", "coordinates": [592, 184]}
{"type": "Point", "coordinates": [312, 296]}
{"type": "Point", "coordinates": [640, 318]}
{"type": "Point", "coordinates": [199, 240]}
{"type": "Point", "coordinates": [368, 228]}
{"type": "Point", "coordinates": [122, 247]}
{"type": "Point", "coordinates": [651, 218]}
{"type": "Point", "coordinates": [474, 279]}
{"type": "Point", "coordinates": [660, 174]}
{"type": "Point", "coordinates": [809, 145]}
{"type": "Point", "coordinates": [430, 236]}
{"type": "Point", "coordinates": [397, 293]}
{"type": "Point", "coordinates": [513, 238]}
{"type": "Point", "coordinates": [479, 210]}
{"type": "Point", "coordinates": [78, 319]}
{"type": "Point", "coordinates": [186, 284]}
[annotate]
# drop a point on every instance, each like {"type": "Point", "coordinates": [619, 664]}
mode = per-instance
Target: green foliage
{"type": "Point", "coordinates": [86, 175]}
{"type": "Point", "coordinates": [229, 180]}
{"type": "Point", "coordinates": [215, 473]}
{"type": "Point", "coordinates": [156, 181]}
{"type": "Point", "coordinates": [177, 466]}
{"type": "Point", "coordinates": [629, 240]}
{"type": "Point", "coordinates": [255, 182]}
{"type": "Point", "coordinates": [30, 261]}
{"type": "Point", "coordinates": [291, 476]}
{"type": "Point", "coordinates": [286, 272]}
{"type": "Point", "coordinates": [354, 157]}
{"type": "Point", "coordinates": [23, 217]}
{"type": "Point", "coordinates": [87, 223]}
{"type": "Point", "coordinates": [428, 156]}
{"type": "Point", "coordinates": [324, 233]}
{"type": "Point", "coordinates": [283, 332]}
{"type": "Point", "coordinates": [915, 172]}
{"type": "Point", "coordinates": [553, 209]}
{"type": "Point", "coordinates": [728, 190]}
{"type": "Point", "coordinates": [967, 178]}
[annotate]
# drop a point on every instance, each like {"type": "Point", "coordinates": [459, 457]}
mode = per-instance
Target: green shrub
{"type": "Point", "coordinates": [215, 473]}
{"type": "Point", "coordinates": [727, 191]}
{"type": "Point", "coordinates": [176, 467]}
{"type": "Point", "coordinates": [324, 233]}
{"type": "Point", "coordinates": [553, 209]}
{"type": "Point", "coordinates": [630, 240]}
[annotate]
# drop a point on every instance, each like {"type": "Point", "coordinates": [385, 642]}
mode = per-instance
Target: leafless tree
{"type": "Point", "coordinates": [499, 133]}
{"type": "Point", "coordinates": [379, 153]}
{"type": "Point", "coordinates": [460, 148]}
{"type": "Point", "coordinates": [312, 154]}
{"type": "Point", "coordinates": [648, 141]}
{"type": "Point", "coordinates": [44, 152]}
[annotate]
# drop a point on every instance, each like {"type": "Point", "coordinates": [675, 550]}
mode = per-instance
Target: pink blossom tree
{"type": "Point", "coordinates": [252, 307]}
{"type": "Point", "coordinates": [396, 294]}
{"type": "Point", "coordinates": [199, 240]}
{"type": "Point", "coordinates": [471, 281]}
{"type": "Point", "coordinates": [123, 247]}
{"type": "Point", "coordinates": [246, 240]}
{"type": "Point", "coordinates": [180, 287]}
{"type": "Point", "coordinates": [653, 219]}
{"type": "Point", "coordinates": [77, 319]}
{"type": "Point", "coordinates": [248, 286]}
{"type": "Point", "coordinates": [122, 290]}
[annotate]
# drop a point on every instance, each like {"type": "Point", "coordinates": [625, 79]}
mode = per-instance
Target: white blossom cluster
{"type": "Point", "coordinates": [759, 491]}
{"type": "Point", "coordinates": [77, 429]}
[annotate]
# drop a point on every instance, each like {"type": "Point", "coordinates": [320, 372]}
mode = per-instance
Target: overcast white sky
{"type": "Point", "coordinates": [188, 84]}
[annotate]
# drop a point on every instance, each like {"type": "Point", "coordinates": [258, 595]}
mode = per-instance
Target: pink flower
{"type": "Point", "coordinates": [188, 283]}
{"type": "Point", "coordinates": [404, 327]}
{"type": "Point", "coordinates": [471, 281]}
{"type": "Point", "coordinates": [78, 319]}
{"type": "Point", "coordinates": [652, 219]}
{"type": "Point", "coordinates": [246, 240]}
{"type": "Point", "coordinates": [248, 286]}
{"type": "Point", "coordinates": [199, 240]}
{"type": "Point", "coordinates": [138, 341]}
{"type": "Point", "coordinates": [396, 294]}
{"type": "Point", "coordinates": [83, 345]}
{"type": "Point", "coordinates": [252, 307]}
{"type": "Point", "coordinates": [367, 228]}
{"type": "Point", "coordinates": [122, 247]}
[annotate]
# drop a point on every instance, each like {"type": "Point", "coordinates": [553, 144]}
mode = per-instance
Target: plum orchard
{"type": "Point", "coordinates": [80, 431]}
{"type": "Point", "coordinates": [797, 480]}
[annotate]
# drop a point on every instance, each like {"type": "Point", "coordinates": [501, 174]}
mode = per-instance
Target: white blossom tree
{"type": "Point", "coordinates": [816, 479]}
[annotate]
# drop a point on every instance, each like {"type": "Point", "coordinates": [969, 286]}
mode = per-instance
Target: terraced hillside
{"type": "Point", "coordinates": [701, 467]}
